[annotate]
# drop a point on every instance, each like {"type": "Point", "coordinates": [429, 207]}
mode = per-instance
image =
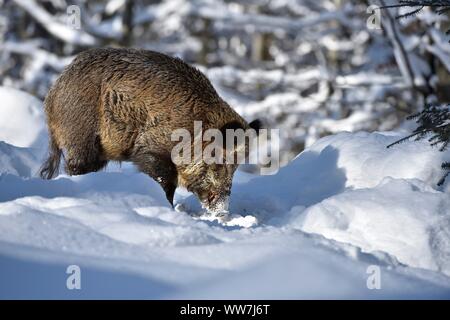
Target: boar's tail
{"type": "Point", "coordinates": [50, 168]}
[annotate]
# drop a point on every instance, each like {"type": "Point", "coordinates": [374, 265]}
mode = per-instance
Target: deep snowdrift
{"type": "Point", "coordinates": [390, 202]}
{"type": "Point", "coordinates": [342, 205]}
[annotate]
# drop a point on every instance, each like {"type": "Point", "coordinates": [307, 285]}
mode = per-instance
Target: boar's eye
{"type": "Point", "coordinates": [211, 197]}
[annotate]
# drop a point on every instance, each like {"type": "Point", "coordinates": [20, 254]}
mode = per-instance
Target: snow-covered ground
{"type": "Point", "coordinates": [341, 208]}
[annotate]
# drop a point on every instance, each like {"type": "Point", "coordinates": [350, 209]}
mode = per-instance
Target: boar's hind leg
{"type": "Point", "coordinates": [161, 169]}
{"type": "Point", "coordinates": [84, 157]}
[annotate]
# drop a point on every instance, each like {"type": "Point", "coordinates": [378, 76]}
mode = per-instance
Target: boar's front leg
{"type": "Point", "coordinates": [161, 169]}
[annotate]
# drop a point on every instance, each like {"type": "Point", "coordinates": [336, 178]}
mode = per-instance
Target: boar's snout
{"type": "Point", "coordinates": [217, 203]}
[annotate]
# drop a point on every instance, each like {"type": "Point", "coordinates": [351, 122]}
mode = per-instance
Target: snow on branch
{"type": "Point", "coordinates": [264, 22]}
{"type": "Point", "coordinates": [34, 74]}
{"type": "Point", "coordinates": [38, 55]}
{"type": "Point", "coordinates": [441, 6]}
{"type": "Point", "coordinates": [400, 53]}
{"type": "Point", "coordinates": [218, 12]}
{"type": "Point", "coordinates": [56, 28]}
{"type": "Point", "coordinates": [161, 11]}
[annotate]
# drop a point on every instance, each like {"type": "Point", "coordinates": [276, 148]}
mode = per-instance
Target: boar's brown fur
{"type": "Point", "coordinates": [123, 105]}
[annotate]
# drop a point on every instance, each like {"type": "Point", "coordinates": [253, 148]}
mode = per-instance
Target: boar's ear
{"type": "Point", "coordinates": [233, 125]}
{"type": "Point", "coordinates": [256, 125]}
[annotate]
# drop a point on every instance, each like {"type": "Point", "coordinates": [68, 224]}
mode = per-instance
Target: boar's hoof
{"type": "Point", "coordinates": [75, 167]}
{"type": "Point", "coordinates": [169, 189]}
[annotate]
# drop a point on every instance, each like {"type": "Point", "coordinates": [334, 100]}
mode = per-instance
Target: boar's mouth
{"type": "Point", "coordinates": [217, 204]}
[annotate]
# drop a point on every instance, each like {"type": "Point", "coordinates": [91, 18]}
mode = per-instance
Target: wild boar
{"type": "Point", "coordinates": [123, 105]}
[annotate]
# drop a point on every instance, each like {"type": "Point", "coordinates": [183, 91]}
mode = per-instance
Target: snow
{"type": "Point", "coordinates": [22, 162]}
{"type": "Point", "coordinates": [310, 231]}
{"type": "Point", "coordinates": [366, 161]}
{"type": "Point", "coordinates": [57, 28]}
{"type": "Point", "coordinates": [406, 219]}
{"type": "Point", "coordinates": [265, 22]}
{"type": "Point", "coordinates": [22, 119]}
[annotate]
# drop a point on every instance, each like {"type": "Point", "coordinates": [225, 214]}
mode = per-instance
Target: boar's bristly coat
{"type": "Point", "coordinates": [123, 105]}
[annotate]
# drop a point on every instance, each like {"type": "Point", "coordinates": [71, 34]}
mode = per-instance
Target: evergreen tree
{"type": "Point", "coordinates": [440, 6]}
{"type": "Point", "coordinates": [434, 120]}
